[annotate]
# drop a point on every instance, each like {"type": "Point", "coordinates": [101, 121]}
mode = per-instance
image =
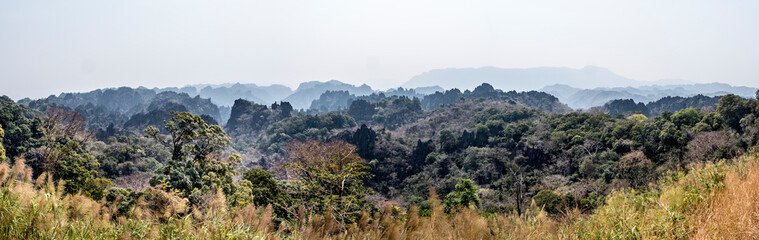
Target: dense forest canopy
{"type": "Point", "coordinates": [495, 151]}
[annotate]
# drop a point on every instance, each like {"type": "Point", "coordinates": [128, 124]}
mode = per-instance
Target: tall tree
{"type": "Point", "coordinates": [365, 138]}
{"type": "Point", "coordinates": [446, 140]}
{"type": "Point", "coordinates": [481, 133]}
{"type": "Point", "coordinates": [196, 167]}
{"type": "Point", "coordinates": [361, 110]}
{"type": "Point", "coordinates": [329, 178]}
{"type": "Point", "coordinates": [259, 187]}
{"type": "Point", "coordinates": [635, 167]}
{"type": "Point", "coordinates": [64, 153]}
{"type": "Point", "coordinates": [60, 127]}
{"type": "Point", "coordinates": [22, 127]}
{"type": "Point", "coordinates": [733, 108]}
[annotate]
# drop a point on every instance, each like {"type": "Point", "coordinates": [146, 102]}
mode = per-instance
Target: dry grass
{"type": "Point", "coordinates": [37, 209]}
{"type": "Point", "coordinates": [734, 212]}
{"type": "Point", "coordinates": [712, 201]}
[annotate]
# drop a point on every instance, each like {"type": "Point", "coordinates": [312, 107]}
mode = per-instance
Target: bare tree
{"type": "Point", "coordinates": [636, 168]}
{"type": "Point", "coordinates": [711, 146]}
{"type": "Point", "coordinates": [61, 124]}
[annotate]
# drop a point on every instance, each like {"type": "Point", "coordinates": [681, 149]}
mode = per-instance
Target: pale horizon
{"type": "Point", "coordinates": [51, 47]}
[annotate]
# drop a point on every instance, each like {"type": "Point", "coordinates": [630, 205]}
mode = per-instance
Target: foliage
{"type": "Point", "coordinates": [365, 140]}
{"type": "Point", "coordinates": [304, 127]}
{"type": "Point", "coordinates": [77, 170]}
{"type": "Point", "coordinates": [625, 107]}
{"type": "Point", "coordinates": [195, 167]}
{"type": "Point", "coordinates": [464, 195]}
{"type": "Point", "coordinates": [157, 113]}
{"type": "Point", "coordinates": [247, 116]}
{"type": "Point", "coordinates": [691, 205]}
{"type": "Point", "coordinates": [674, 104]}
{"type": "Point", "coordinates": [22, 127]}
{"type": "Point", "coordinates": [733, 108]}
{"type": "Point", "coordinates": [446, 140]}
{"type": "Point", "coordinates": [396, 111]}
{"type": "Point", "coordinates": [531, 99]}
{"type": "Point", "coordinates": [329, 179]}
{"type": "Point", "coordinates": [122, 200]}
{"type": "Point", "coordinates": [482, 148]}
{"type": "Point", "coordinates": [39, 211]}
{"type": "Point", "coordinates": [520, 154]}
{"type": "Point", "coordinates": [711, 201]}
{"type": "Point", "coordinates": [133, 108]}
{"type": "Point", "coordinates": [129, 155]}
{"type": "Point", "coordinates": [628, 107]}
{"type": "Point", "coordinates": [635, 167]}
{"type": "Point", "coordinates": [259, 187]}
{"type": "Point", "coordinates": [361, 110]}
{"type": "Point", "coordinates": [554, 203]}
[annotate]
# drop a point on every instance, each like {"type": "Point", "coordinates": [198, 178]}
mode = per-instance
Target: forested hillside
{"type": "Point", "coordinates": [128, 108]}
{"type": "Point", "coordinates": [627, 107]}
{"type": "Point", "coordinates": [386, 165]}
{"type": "Point", "coordinates": [390, 120]}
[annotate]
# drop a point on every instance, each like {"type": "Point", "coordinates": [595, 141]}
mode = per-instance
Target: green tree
{"type": "Point", "coordinates": [733, 108]}
{"type": "Point", "coordinates": [554, 203]}
{"type": "Point", "coordinates": [259, 187]}
{"type": "Point", "coordinates": [446, 140]}
{"type": "Point", "coordinates": [637, 117]}
{"type": "Point", "coordinates": [686, 117]}
{"type": "Point", "coordinates": [365, 140]}
{"type": "Point", "coordinates": [64, 154]}
{"type": "Point", "coordinates": [712, 121]}
{"type": "Point", "coordinates": [195, 167]}
{"type": "Point", "coordinates": [464, 195]}
{"type": "Point", "coordinates": [22, 128]}
{"type": "Point", "coordinates": [361, 110]}
{"type": "Point", "coordinates": [265, 189]}
{"type": "Point", "coordinates": [481, 134]}
{"type": "Point", "coordinates": [77, 170]}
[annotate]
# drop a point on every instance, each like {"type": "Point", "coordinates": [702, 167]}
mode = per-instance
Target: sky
{"type": "Point", "coordinates": [48, 47]}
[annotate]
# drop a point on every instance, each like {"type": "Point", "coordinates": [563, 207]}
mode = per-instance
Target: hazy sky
{"type": "Point", "coordinates": [47, 47]}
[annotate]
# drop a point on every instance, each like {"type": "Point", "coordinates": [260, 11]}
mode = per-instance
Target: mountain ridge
{"type": "Point", "coordinates": [520, 79]}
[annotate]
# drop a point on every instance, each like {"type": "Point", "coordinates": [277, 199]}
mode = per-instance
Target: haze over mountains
{"type": "Point", "coordinates": [577, 88]}
{"type": "Point", "coordinates": [578, 98]}
{"type": "Point", "coordinates": [520, 79]}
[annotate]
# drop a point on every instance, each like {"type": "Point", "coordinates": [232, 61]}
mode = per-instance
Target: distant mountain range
{"type": "Point", "coordinates": [520, 79]}
{"type": "Point", "coordinates": [226, 94]}
{"type": "Point", "coordinates": [577, 88]}
{"type": "Point", "coordinates": [310, 91]}
{"type": "Point", "coordinates": [302, 97]}
{"type": "Point", "coordinates": [578, 98]}
{"type": "Point", "coordinates": [130, 110]}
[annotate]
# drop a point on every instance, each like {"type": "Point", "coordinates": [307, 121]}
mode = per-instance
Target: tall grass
{"type": "Point", "coordinates": [37, 209]}
{"type": "Point", "coordinates": [734, 212]}
{"type": "Point", "coordinates": [715, 200]}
